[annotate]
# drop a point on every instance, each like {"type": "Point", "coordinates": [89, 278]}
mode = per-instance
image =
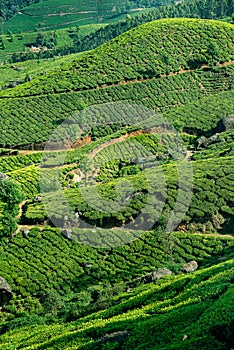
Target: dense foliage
{"type": "Point", "coordinates": [150, 49]}
{"type": "Point", "coordinates": [10, 196]}
{"type": "Point", "coordinates": [212, 9]}
{"type": "Point", "coordinates": [140, 198]}
{"type": "Point", "coordinates": [12, 45]}
{"type": "Point", "coordinates": [161, 81]}
{"type": "Point", "coordinates": [212, 185]}
{"type": "Point", "coordinates": [34, 270]}
{"type": "Point", "coordinates": [37, 116]}
{"type": "Point", "coordinates": [180, 312]}
{"type": "Point", "coordinates": [191, 8]}
{"type": "Point", "coordinates": [9, 8]}
{"type": "Point", "coordinates": [41, 15]}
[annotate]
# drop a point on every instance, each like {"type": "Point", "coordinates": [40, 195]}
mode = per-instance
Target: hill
{"type": "Point", "coordinates": [190, 8]}
{"type": "Point", "coordinates": [119, 235]}
{"type": "Point", "coordinates": [155, 40]}
{"type": "Point", "coordinates": [51, 14]}
{"type": "Point", "coordinates": [117, 71]}
{"type": "Point", "coordinates": [9, 8]}
{"type": "Point", "coordinates": [196, 307]}
{"type": "Point", "coordinates": [211, 9]}
{"type": "Point", "coordinates": [14, 45]}
{"type": "Point", "coordinates": [21, 71]}
{"type": "Point", "coordinates": [40, 26]}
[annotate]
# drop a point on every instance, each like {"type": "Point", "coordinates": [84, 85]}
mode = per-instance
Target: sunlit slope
{"type": "Point", "coordinates": [150, 50]}
{"type": "Point", "coordinates": [184, 312]}
{"type": "Point", "coordinates": [53, 14]}
{"type": "Point", "coordinates": [156, 64]}
{"type": "Point", "coordinates": [28, 120]}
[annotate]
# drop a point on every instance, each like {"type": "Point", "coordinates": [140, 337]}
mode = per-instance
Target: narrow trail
{"type": "Point", "coordinates": [95, 151]}
{"type": "Point", "coordinates": [21, 209]}
{"type": "Point", "coordinates": [99, 148]}
{"type": "Point", "coordinates": [204, 235]}
{"type": "Point", "coordinates": [60, 14]}
{"type": "Point", "coordinates": [123, 82]}
{"type": "Point", "coordinates": [28, 227]}
{"type": "Point", "coordinates": [91, 155]}
{"type": "Point", "coordinates": [156, 130]}
{"type": "Point", "coordinates": [122, 138]}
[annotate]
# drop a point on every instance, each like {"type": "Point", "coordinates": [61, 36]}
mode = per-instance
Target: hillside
{"type": "Point", "coordinates": [13, 45]}
{"type": "Point", "coordinates": [102, 33]}
{"type": "Point", "coordinates": [19, 72]}
{"type": "Point", "coordinates": [51, 14]}
{"type": "Point", "coordinates": [110, 79]}
{"type": "Point", "coordinates": [40, 25]}
{"type": "Point", "coordinates": [205, 9]}
{"type": "Point", "coordinates": [107, 64]}
{"type": "Point", "coordinates": [178, 312]}
{"type": "Point", "coordinates": [116, 191]}
{"type": "Point", "coordinates": [8, 7]}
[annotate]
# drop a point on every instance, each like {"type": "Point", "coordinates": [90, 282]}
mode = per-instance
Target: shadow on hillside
{"type": "Point", "coordinates": [228, 226]}
{"type": "Point", "coordinates": [227, 253]}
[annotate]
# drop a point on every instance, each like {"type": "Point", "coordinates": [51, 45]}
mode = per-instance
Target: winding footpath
{"type": "Point", "coordinates": [104, 86]}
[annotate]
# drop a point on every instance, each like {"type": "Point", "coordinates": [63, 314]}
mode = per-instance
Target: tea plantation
{"type": "Point", "coordinates": [181, 312]}
{"type": "Point", "coordinates": [116, 227]}
{"type": "Point", "coordinates": [161, 81]}
{"type": "Point", "coordinates": [51, 14]}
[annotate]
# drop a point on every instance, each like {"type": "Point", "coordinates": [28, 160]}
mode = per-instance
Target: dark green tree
{"type": "Point", "coordinates": [178, 125]}
{"type": "Point", "coordinates": [10, 193]}
{"type": "Point", "coordinates": [11, 196]}
{"type": "Point", "coordinates": [214, 52]}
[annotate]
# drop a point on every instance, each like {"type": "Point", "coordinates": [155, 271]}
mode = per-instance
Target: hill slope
{"type": "Point", "coordinates": [147, 51]}
{"type": "Point", "coordinates": [205, 9]}
{"type": "Point", "coordinates": [51, 14]}
{"type": "Point", "coordinates": [143, 65]}
{"type": "Point", "coordinates": [184, 312]}
{"type": "Point", "coordinates": [9, 7]}
{"type": "Point", "coordinates": [79, 287]}
{"type": "Point", "coordinates": [189, 8]}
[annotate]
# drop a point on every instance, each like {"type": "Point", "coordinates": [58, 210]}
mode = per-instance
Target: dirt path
{"type": "Point", "coordinates": [188, 155]}
{"type": "Point", "coordinates": [28, 227]}
{"type": "Point", "coordinates": [91, 155]}
{"type": "Point", "coordinates": [95, 151]}
{"type": "Point", "coordinates": [181, 71]}
{"type": "Point", "coordinates": [205, 235]}
{"type": "Point", "coordinates": [99, 148]}
{"type": "Point", "coordinates": [21, 209]}
{"type": "Point", "coordinates": [131, 81]}
{"type": "Point", "coordinates": [24, 152]}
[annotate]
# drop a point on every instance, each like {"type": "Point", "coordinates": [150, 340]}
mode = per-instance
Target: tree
{"type": "Point", "coordinates": [52, 303]}
{"type": "Point", "coordinates": [10, 193]}
{"type": "Point", "coordinates": [214, 52]}
{"type": "Point", "coordinates": [178, 125]}
{"type": "Point", "coordinates": [41, 39]}
{"type": "Point", "coordinates": [86, 167]}
{"type": "Point", "coordinates": [9, 223]}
